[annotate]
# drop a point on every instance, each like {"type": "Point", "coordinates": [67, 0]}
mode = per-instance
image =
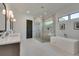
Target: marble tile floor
{"type": "Point", "coordinates": [37, 48]}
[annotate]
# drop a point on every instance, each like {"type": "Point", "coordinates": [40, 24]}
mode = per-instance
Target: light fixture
{"type": "Point", "coordinates": [27, 18]}
{"type": "Point", "coordinates": [3, 12]}
{"type": "Point", "coordinates": [12, 16]}
{"type": "Point", "coordinates": [10, 12]}
{"type": "Point", "coordinates": [14, 20]}
{"type": "Point", "coordinates": [45, 13]}
{"type": "Point", "coordinates": [41, 16]}
{"type": "Point", "coordinates": [27, 11]}
{"type": "Point", "coordinates": [42, 6]}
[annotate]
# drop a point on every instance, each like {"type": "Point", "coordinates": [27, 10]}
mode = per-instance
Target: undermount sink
{"type": "Point", "coordinates": [10, 39]}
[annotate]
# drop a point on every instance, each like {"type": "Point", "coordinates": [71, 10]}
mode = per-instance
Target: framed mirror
{"type": "Point", "coordinates": [3, 18]}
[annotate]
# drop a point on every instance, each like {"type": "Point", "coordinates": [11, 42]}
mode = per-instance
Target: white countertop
{"type": "Point", "coordinates": [10, 39]}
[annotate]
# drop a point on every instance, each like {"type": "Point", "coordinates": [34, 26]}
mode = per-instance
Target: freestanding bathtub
{"type": "Point", "coordinates": [66, 44]}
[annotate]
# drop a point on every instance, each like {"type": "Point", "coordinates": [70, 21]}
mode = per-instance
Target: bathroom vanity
{"type": "Point", "coordinates": [10, 45]}
{"type": "Point", "coordinates": [9, 42]}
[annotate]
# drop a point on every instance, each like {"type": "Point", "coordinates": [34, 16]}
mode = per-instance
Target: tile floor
{"type": "Point", "coordinates": [37, 48]}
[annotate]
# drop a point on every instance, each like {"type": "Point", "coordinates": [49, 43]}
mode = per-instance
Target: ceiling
{"type": "Point", "coordinates": [36, 9]}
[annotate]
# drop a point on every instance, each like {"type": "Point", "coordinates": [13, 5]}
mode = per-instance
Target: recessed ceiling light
{"type": "Point", "coordinates": [42, 6]}
{"type": "Point", "coordinates": [28, 18]}
{"type": "Point", "coordinates": [41, 16]}
{"type": "Point", "coordinates": [45, 13]}
{"type": "Point", "coordinates": [27, 11]}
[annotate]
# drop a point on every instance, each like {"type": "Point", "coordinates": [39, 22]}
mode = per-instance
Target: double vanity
{"type": "Point", "coordinates": [10, 45]}
{"type": "Point", "coordinates": [9, 42]}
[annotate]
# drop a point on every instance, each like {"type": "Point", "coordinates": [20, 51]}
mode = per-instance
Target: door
{"type": "Point", "coordinates": [29, 28]}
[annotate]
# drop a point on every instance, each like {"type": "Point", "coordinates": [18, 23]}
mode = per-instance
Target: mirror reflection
{"type": "Point", "coordinates": [2, 18]}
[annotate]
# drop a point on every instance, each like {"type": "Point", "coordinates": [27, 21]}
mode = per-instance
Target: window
{"type": "Point", "coordinates": [48, 22]}
{"type": "Point", "coordinates": [73, 16]}
{"type": "Point", "coordinates": [63, 18]}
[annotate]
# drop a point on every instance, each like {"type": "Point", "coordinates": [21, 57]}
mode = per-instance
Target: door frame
{"type": "Point", "coordinates": [26, 28]}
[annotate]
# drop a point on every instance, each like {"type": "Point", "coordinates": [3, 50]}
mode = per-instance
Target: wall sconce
{"type": "Point", "coordinates": [12, 23]}
{"type": "Point", "coordinates": [14, 20]}
{"type": "Point", "coordinates": [11, 19]}
{"type": "Point", "coordinates": [3, 12]}
{"type": "Point", "coordinates": [11, 14]}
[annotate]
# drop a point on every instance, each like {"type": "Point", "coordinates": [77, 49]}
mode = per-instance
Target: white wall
{"type": "Point", "coordinates": [71, 33]}
{"type": "Point", "coordinates": [69, 29]}
{"type": "Point", "coordinates": [20, 27]}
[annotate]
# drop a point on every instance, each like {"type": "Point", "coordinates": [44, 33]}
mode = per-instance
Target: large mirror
{"type": "Point", "coordinates": [3, 18]}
